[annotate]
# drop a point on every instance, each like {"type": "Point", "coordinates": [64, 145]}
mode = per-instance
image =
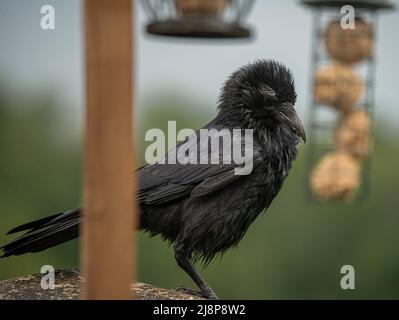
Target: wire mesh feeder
{"type": "Point", "coordinates": [342, 104]}
{"type": "Point", "coordinates": [198, 18]}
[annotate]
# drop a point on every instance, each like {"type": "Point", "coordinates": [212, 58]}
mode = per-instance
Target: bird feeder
{"type": "Point", "coordinates": [342, 103]}
{"type": "Point", "coordinates": [198, 18]}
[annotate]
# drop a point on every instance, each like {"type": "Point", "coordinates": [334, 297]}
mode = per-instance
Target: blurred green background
{"type": "Point", "coordinates": [294, 251]}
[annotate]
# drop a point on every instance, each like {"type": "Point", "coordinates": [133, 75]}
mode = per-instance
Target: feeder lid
{"type": "Point", "coordinates": [198, 27]}
{"type": "Point", "coordinates": [363, 4]}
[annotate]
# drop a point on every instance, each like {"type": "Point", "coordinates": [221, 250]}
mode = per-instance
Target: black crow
{"type": "Point", "coordinates": [204, 209]}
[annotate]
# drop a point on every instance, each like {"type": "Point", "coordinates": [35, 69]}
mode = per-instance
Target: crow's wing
{"type": "Point", "coordinates": [161, 183]}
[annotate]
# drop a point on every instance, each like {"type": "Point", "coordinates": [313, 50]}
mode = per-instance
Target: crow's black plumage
{"type": "Point", "coordinates": [204, 209]}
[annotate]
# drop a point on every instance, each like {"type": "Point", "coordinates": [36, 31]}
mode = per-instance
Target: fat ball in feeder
{"type": "Point", "coordinates": [337, 85]}
{"type": "Point", "coordinates": [352, 134]}
{"type": "Point", "coordinates": [349, 45]}
{"type": "Point", "coordinates": [335, 177]}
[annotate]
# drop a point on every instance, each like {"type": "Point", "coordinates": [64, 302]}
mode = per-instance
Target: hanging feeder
{"type": "Point", "coordinates": [198, 18]}
{"type": "Point", "coordinates": [342, 104]}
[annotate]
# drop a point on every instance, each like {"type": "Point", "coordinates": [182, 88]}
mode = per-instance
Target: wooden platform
{"type": "Point", "coordinates": [67, 287]}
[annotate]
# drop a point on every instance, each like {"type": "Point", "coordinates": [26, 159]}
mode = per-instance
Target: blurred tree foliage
{"type": "Point", "coordinates": [294, 251]}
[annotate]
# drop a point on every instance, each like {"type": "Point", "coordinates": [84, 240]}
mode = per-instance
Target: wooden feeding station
{"type": "Point", "coordinates": [198, 18]}
{"type": "Point", "coordinates": [342, 104]}
{"type": "Point", "coordinates": [108, 205]}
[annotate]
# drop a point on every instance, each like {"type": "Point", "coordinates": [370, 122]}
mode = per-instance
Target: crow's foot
{"type": "Point", "coordinates": [207, 294]}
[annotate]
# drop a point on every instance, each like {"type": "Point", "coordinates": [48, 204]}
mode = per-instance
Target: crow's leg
{"type": "Point", "coordinates": [183, 261]}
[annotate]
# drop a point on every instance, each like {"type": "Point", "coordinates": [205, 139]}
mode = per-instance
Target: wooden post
{"type": "Point", "coordinates": [108, 209]}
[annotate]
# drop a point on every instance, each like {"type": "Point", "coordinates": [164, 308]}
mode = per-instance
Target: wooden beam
{"type": "Point", "coordinates": [108, 214]}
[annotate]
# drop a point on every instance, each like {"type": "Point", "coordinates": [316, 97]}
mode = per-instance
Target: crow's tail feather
{"type": "Point", "coordinates": [44, 233]}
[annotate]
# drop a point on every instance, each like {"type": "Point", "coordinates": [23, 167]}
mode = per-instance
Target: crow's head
{"type": "Point", "coordinates": [263, 95]}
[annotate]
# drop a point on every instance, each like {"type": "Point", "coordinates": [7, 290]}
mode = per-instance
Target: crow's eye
{"type": "Point", "coordinates": [267, 92]}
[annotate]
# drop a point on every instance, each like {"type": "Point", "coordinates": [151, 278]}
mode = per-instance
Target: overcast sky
{"type": "Point", "coordinates": [32, 59]}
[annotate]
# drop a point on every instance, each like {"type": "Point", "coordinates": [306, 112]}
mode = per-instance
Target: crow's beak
{"type": "Point", "coordinates": [298, 126]}
{"type": "Point", "coordinates": [294, 122]}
